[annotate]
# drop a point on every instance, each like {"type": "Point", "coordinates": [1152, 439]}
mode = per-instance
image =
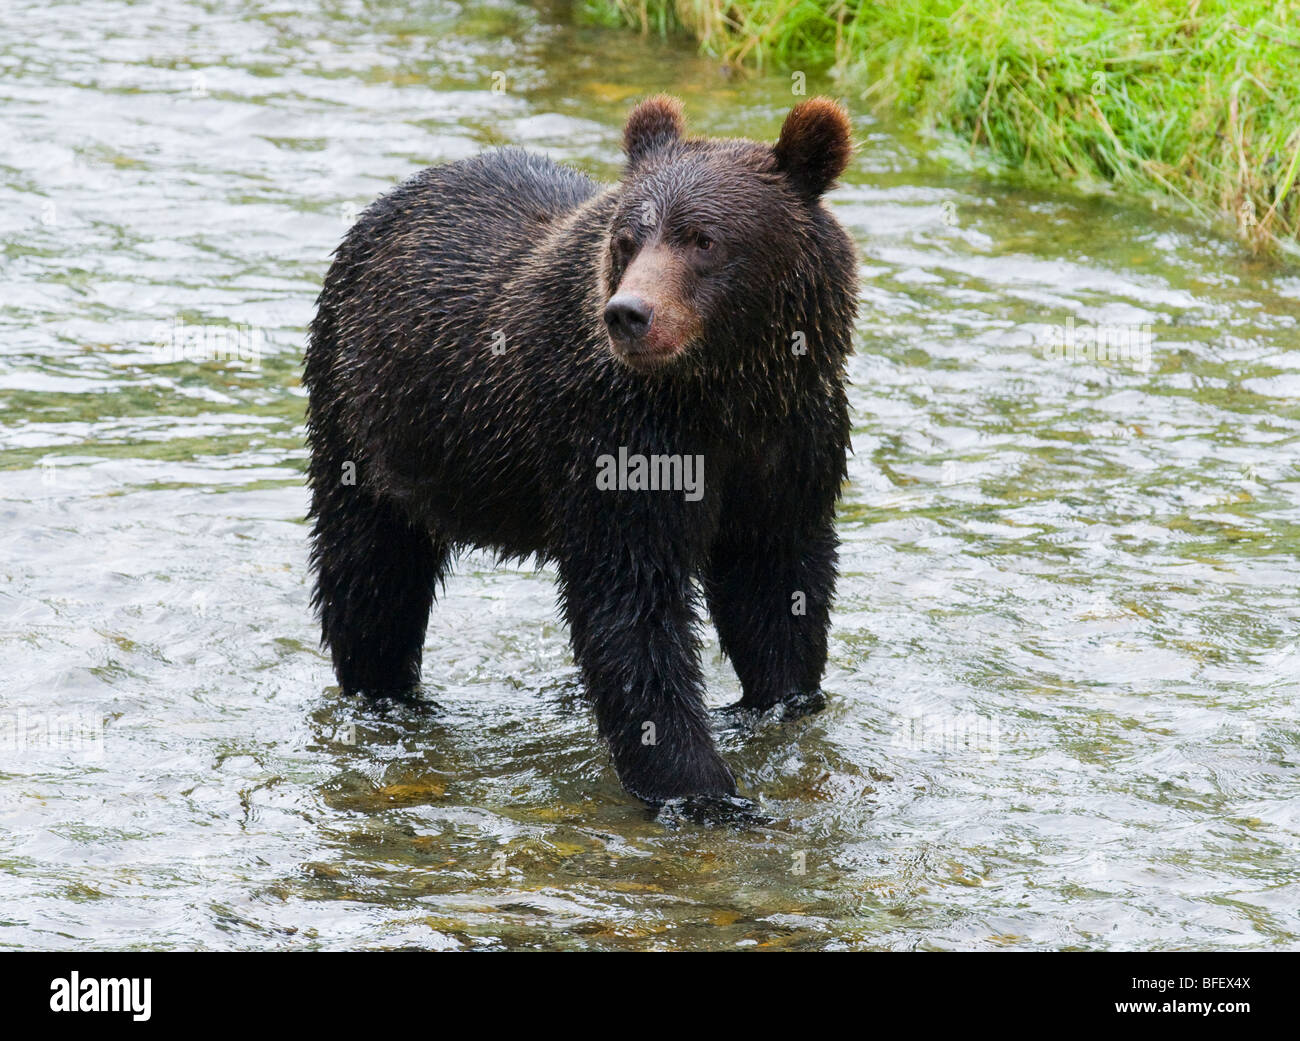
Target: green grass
{"type": "Point", "coordinates": [1194, 103]}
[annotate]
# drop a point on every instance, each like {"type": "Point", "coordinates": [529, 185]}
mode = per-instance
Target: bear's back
{"type": "Point", "coordinates": [426, 262]}
{"type": "Point", "coordinates": [494, 205]}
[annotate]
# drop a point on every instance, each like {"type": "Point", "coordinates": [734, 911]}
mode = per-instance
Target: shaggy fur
{"type": "Point", "coordinates": [463, 384]}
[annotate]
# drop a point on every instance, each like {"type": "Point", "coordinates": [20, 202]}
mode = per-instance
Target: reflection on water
{"type": "Point", "coordinates": [1066, 655]}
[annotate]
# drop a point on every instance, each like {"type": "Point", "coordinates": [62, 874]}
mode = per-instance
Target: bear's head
{"type": "Point", "coordinates": [707, 233]}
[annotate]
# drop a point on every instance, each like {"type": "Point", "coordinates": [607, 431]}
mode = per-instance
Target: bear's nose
{"type": "Point", "coordinates": [628, 316]}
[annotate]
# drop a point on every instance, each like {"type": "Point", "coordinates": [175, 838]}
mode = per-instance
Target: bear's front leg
{"type": "Point", "coordinates": [770, 595]}
{"type": "Point", "coordinates": [632, 622]}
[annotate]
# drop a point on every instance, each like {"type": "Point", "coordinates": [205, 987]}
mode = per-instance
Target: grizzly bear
{"type": "Point", "coordinates": [640, 384]}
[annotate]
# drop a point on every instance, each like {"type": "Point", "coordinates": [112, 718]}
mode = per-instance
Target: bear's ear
{"type": "Point", "coordinates": [815, 146]}
{"type": "Point", "coordinates": [654, 124]}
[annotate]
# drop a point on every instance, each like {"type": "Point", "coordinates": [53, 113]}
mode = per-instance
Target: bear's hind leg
{"type": "Point", "coordinates": [376, 574]}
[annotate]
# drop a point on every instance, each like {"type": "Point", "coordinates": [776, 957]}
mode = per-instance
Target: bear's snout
{"type": "Point", "coordinates": [628, 317]}
{"type": "Point", "coordinates": [649, 319]}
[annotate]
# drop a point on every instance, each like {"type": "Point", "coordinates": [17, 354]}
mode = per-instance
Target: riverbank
{"type": "Point", "coordinates": [1189, 105]}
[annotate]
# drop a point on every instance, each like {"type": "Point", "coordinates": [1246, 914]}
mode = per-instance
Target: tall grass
{"type": "Point", "coordinates": [1196, 102]}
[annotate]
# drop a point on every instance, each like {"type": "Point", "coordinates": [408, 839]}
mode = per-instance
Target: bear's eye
{"type": "Point", "coordinates": [621, 246]}
{"type": "Point", "coordinates": [702, 242]}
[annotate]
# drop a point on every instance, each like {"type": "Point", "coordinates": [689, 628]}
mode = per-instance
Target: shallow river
{"type": "Point", "coordinates": [1065, 661]}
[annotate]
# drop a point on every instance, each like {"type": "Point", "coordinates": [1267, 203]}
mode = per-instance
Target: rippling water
{"type": "Point", "coordinates": [1065, 659]}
